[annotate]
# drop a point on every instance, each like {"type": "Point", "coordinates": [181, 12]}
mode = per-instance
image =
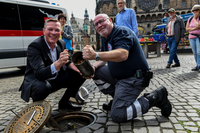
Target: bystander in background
{"type": "Point", "coordinates": [66, 33]}
{"type": "Point", "coordinates": [175, 30]}
{"type": "Point", "coordinates": [193, 26]}
{"type": "Point", "coordinates": [126, 17]}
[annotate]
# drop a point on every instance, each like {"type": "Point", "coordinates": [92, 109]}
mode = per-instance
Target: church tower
{"type": "Point", "coordinates": [86, 29]}
{"type": "Point", "coordinates": [86, 22]}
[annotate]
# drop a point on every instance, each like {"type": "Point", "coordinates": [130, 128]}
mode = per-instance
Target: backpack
{"type": "Point", "coordinates": [192, 18]}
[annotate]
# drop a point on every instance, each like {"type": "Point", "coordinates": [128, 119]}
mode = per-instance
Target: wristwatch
{"type": "Point", "coordinates": [97, 58]}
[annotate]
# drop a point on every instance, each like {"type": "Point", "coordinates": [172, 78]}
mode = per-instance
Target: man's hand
{"type": "Point", "coordinates": [88, 53]}
{"type": "Point", "coordinates": [62, 32]}
{"type": "Point", "coordinates": [89, 77]}
{"type": "Point", "coordinates": [63, 59]}
{"type": "Point", "coordinates": [73, 67]}
{"type": "Point", "coordinates": [182, 39]}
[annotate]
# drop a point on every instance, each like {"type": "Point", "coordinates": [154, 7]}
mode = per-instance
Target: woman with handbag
{"type": "Point", "coordinates": [66, 33]}
{"type": "Point", "coordinates": [193, 26]}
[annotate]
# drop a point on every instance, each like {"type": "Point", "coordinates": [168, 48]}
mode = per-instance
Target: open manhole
{"type": "Point", "coordinates": [34, 116]}
{"type": "Point", "coordinates": [73, 120]}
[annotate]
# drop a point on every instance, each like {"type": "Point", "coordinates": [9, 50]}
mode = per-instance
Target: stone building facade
{"type": "Point", "coordinates": [149, 12]}
{"type": "Point", "coordinates": [83, 32]}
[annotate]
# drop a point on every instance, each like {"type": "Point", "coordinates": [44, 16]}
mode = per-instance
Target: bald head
{"type": "Point", "coordinates": [101, 15]}
{"type": "Point", "coordinates": [103, 25]}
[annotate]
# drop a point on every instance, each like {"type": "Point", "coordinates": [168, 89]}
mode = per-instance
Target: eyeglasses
{"type": "Point", "coordinates": [100, 21]}
{"type": "Point", "coordinates": [120, 3]}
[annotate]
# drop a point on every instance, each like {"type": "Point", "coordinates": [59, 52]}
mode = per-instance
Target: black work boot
{"type": "Point", "coordinates": [159, 99]}
{"type": "Point", "coordinates": [107, 106]}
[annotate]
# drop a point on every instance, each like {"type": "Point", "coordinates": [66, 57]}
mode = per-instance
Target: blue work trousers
{"type": "Point", "coordinates": [125, 105]}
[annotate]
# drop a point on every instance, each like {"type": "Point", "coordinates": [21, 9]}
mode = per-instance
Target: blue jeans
{"type": "Point", "coordinates": [195, 44]}
{"type": "Point", "coordinates": [172, 49]}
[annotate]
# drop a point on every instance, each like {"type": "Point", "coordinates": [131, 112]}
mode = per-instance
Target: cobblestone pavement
{"type": "Point", "coordinates": [182, 84]}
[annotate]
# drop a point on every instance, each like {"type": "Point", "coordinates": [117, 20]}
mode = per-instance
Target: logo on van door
{"type": "Point", "coordinates": [48, 15]}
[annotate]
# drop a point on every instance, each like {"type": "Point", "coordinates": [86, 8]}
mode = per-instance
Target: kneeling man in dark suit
{"type": "Point", "coordinates": [49, 69]}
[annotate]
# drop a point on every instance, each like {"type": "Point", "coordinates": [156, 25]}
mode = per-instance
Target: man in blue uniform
{"type": "Point", "coordinates": [126, 74]}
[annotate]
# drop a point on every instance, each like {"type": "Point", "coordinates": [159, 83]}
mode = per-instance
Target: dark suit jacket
{"type": "Point", "coordinates": [39, 62]}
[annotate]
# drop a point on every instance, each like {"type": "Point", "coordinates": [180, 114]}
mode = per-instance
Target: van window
{"type": "Point", "coordinates": [9, 17]}
{"type": "Point", "coordinates": [32, 18]}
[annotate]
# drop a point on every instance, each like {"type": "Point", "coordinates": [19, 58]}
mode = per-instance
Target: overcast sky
{"type": "Point", "coordinates": [78, 7]}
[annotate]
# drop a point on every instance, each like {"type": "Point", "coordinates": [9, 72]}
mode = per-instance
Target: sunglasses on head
{"type": "Point", "coordinates": [195, 10]}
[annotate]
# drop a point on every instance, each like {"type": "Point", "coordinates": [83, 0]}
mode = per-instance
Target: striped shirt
{"type": "Point", "coordinates": [171, 27]}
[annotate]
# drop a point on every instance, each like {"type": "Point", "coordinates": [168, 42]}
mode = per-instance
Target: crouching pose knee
{"type": "Point", "coordinates": [122, 71]}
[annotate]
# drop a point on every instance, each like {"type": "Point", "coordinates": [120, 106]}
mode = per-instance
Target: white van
{"type": "Point", "coordinates": [22, 21]}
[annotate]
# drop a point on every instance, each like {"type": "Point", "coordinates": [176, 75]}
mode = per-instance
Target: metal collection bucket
{"type": "Point", "coordinates": [83, 65]}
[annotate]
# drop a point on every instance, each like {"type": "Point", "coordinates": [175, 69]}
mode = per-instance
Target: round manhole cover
{"type": "Point", "coordinates": [30, 119]}
{"type": "Point", "coordinates": [74, 120]}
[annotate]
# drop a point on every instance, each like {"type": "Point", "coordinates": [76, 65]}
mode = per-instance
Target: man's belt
{"type": "Point", "coordinates": [140, 74]}
{"type": "Point", "coordinates": [171, 36]}
{"type": "Point", "coordinates": [147, 76]}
